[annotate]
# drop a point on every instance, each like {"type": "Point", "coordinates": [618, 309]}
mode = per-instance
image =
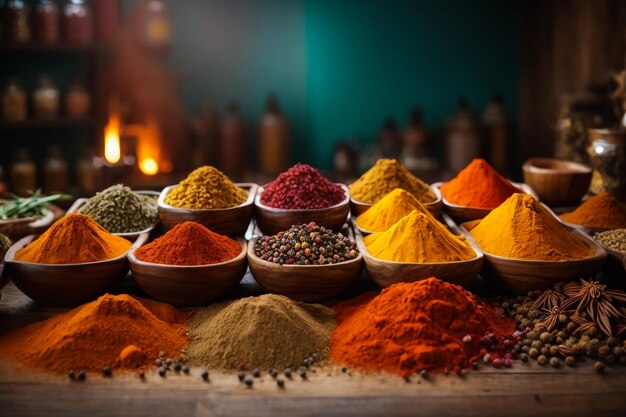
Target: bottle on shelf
{"type": "Point", "coordinates": [463, 141]}
{"type": "Point", "coordinates": [55, 171]}
{"type": "Point", "coordinates": [497, 131]}
{"type": "Point", "coordinates": [77, 101]}
{"type": "Point", "coordinates": [274, 139]}
{"type": "Point", "coordinates": [46, 20]}
{"type": "Point", "coordinates": [46, 99]}
{"type": "Point", "coordinates": [88, 173]}
{"type": "Point", "coordinates": [23, 174]}
{"type": "Point", "coordinates": [414, 153]}
{"type": "Point", "coordinates": [389, 140]}
{"type": "Point", "coordinates": [232, 144]}
{"type": "Point", "coordinates": [16, 22]}
{"type": "Point", "coordinates": [14, 102]}
{"type": "Point", "coordinates": [77, 22]}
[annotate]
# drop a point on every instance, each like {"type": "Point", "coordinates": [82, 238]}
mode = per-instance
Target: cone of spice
{"type": "Point", "coordinates": [478, 185]}
{"type": "Point", "coordinates": [75, 238]}
{"type": "Point", "coordinates": [388, 210]}
{"type": "Point", "coordinates": [602, 211]}
{"type": "Point", "coordinates": [206, 188]}
{"type": "Point", "coordinates": [302, 187]}
{"type": "Point", "coordinates": [189, 243]}
{"type": "Point", "coordinates": [385, 176]}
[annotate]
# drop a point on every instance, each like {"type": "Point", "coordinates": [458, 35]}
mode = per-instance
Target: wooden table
{"type": "Point", "coordinates": [524, 390]}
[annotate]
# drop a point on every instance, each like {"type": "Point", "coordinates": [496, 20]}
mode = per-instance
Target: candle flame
{"type": "Point", "coordinates": [149, 166]}
{"type": "Point", "coordinates": [112, 149]}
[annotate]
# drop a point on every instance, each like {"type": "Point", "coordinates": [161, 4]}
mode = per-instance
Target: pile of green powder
{"type": "Point", "coordinates": [119, 210]}
{"type": "Point", "coordinates": [259, 332]}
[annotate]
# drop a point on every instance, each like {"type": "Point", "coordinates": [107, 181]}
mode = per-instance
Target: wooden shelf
{"type": "Point", "coordinates": [52, 48]}
{"type": "Point", "coordinates": [60, 123]}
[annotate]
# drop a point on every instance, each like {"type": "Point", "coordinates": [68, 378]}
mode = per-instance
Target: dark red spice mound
{"type": "Point", "coordinates": [302, 187]}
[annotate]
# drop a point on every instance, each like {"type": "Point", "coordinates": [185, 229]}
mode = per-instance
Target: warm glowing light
{"type": "Point", "coordinates": [149, 166]}
{"type": "Point", "coordinates": [112, 149]}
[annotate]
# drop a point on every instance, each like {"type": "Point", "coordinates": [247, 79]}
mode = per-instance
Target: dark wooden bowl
{"type": "Point", "coordinates": [273, 220]}
{"type": "Point", "coordinates": [557, 182]}
{"type": "Point", "coordinates": [309, 283]}
{"type": "Point", "coordinates": [65, 284]}
{"type": "Point", "coordinates": [232, 221]}
{"type": "Point", "coordinates": [519, 276]}
{"type": "Point", "coordinates": [435, 208]}
{"type": "Point", "coordinates": [462, 214]}
{"type": "Point", "coordinates": [386, 273]}
{"type": "Point", "coordinates": [186, 286]}
{"type": "Point", "coordinates": [132, 236]}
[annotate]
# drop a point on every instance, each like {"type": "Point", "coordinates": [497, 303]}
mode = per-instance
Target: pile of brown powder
{"type": "Point", "coordinates": [259, 332]}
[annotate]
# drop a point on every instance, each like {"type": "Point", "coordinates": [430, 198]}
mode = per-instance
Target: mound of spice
{"type": "Point", "coordinates": [388, 210]}
{"type": "Point", "coordinates": [302, 187]}
{"type": "Point", "coordinates": [384, 177]}
{"type": "Point", "coordinates": [306, 244]}
{"type": "Point", "coordinates": [113, 331]}
{"type": "Point", "coordinates": [418, 237]}
{"type": "Point", "coordinates": [602, 211]}
{"type": "Point", "coordinates": [263, 332]}
{"type": "Point", "coordinates": [119, 210]}
{"type": "Point", "coordinates": [521, 228]}
{"type": "Point", "coordinates": [478, 185]}
{"type": "Point", "coordinates": [613, 239]}
{"type": "Point", "coordinates": [409, 327]}
{"type": "Point", "coordinates": [189, 243]}
{"type": "Point", "coordinates": [75, 238]}
{"type": "Point", "coordinates": [206, 188]}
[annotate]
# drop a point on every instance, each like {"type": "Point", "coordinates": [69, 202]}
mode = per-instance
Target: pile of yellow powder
{"type": "Point", "coordinates": [206, 188]}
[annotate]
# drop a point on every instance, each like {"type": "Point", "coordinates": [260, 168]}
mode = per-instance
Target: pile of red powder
{"type": "Point", "coordinates": [302, 187]}
{"type": "Point", "coordinates": [409, 327]}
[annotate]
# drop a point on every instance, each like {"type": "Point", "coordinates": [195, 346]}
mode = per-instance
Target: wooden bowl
{"type": "Point", "coordinates": [132, 236]}
{"type": "Point", "coordinates": [308, 283]}
{"type": "Point", "coordinates": [186, 286]}
{"type": "Point", "coordinates": [18, 228]}
{"type": "Point", "coordinates": [557, 182]}
{"type": "Point", "coordinates": [232, 221]}
{"type": "Point", "coordinates": [65, 284]}
{"type": "Point", "coordinates": [435, 208]}
{"type": "Point", "coordinates": [462, 214]}
{"type": "Point", "coordinates": [519, 276]}
{"type": "Point", "coordinates": [273, 220]}
{"type": "Point", "coordinates": [386, 273]}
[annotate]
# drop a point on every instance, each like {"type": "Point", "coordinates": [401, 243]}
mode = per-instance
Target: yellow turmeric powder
{"type": "Point", "coordinates": [206, 188]}
{"type": "Point", "coordinates": [388, 210]}
{"type": "Point", "coordinates": [521, 228]}
{"type": "Point", "coordinates": [384, 177]}
{"type": "Point", "coordinates": [418, 238]}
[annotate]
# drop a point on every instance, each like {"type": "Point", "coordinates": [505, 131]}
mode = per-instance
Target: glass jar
{"type": "Point", "coordinates": [46, 21]}
{"type": "Point", "coordinates": [15, 22]}
{"type": "Point", "coordinates": [14, 102]}
{"type": "Point", "coordinates": [55, 171]}
{"type": "Point", "coordinates": [77, 22]}
{"type": "Point", "coordinates": [23, 174]}
{"type": "Point", "coordinates": [77, 101]}
{"type": "Point", "coordinates": [607, 151]}
{"type": "Point", "coordinates": [46, 99]}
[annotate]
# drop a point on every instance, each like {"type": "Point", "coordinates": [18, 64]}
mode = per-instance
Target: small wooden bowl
{"type": "Point", "coordinates": [308, 283]}
{"type": "Point", "coordinates": [435, 208]}
{"type": "Point", "coordinates": [386, 273]}
{"type": "Point", "coordinates": [65, 284]}
{"type": "Point", "coordinates": [273, 220]}
{"type": "Point", "coordinates": [462, 214]}
{"type": "Point", "coordinates": [557, 182]}
{"type": "Point", "coordinates": [232, 221]}
{"type": "Point", "coordinates": [132, 236]}
{"type": "Point", "coordinates": [519, 276]}
{"type": "Point", "coordinates": [186, 286]}
{"type": "Point", "coordinates": [18, 228]}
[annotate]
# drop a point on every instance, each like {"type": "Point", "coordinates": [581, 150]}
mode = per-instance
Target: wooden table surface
{"type": "Point", "coordinates": [524, 390]}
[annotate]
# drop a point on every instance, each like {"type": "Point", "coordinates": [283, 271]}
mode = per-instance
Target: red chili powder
{"type": "Point", "coordinates": [413, 326]}
{"type": "Point", "coordinates": [478, 185]}
{"type": "Point", "coordinates": [302, 187]}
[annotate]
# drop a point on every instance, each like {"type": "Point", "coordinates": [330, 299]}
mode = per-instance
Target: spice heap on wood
{"type": "Point", "coordinates": [613, 239]}
{"type": "Point", "coordinates": [302, 187]}
{"type": "Point", "coordinates": [602, 211]}
{"type": "Point", "coordinates": [189, 243]}
{"type": "Point", "coordinates": [119, 210]}
{"type": "Point", "coordinates": [478, 185]}
{"type": "Point", "coordinates": [114, 331]}
{"type": "Point", "coordinates": [206, 188]}
{"type": "Point", "coordinates": [521, 228]}
{"type": "Point", "coordinates": [75, 238]}
{"type": "Point", "coordinates": [419, 238]}
{"type": "Point", "coordinates": [385, 176]}
{"type": "Point", "coordinates": [426, 325]}
{"type": "Point", "coordinates": [259, 332]}
{"type": "Point", "coordinates": [306, 244]}
{"type": "Point", "coordinates": [388, 210]}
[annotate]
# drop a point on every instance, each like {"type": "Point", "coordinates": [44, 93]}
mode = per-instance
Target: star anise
{"type": "Point", "coordinates": [548, 300]}
{"type": "Point", "coordinates": [584, 325]}
{"type": "Point", "coordinates": [552, 317]}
